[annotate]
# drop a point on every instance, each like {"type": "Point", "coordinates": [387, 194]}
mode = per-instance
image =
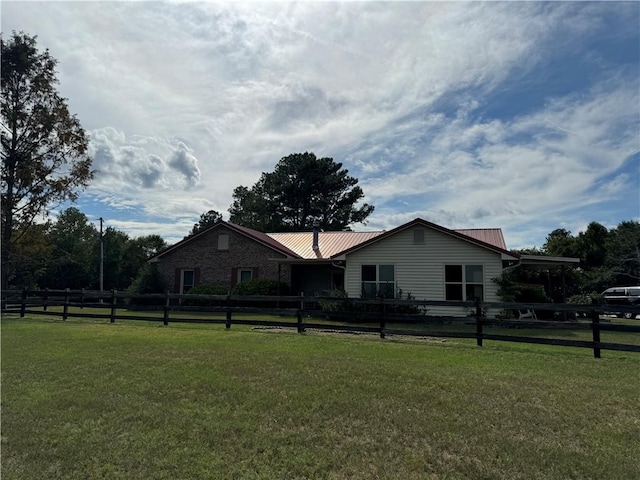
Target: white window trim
{"type": "Point", "coordinates": [464, 282]}
{"type": "Point", "coordinates": [377, 281]}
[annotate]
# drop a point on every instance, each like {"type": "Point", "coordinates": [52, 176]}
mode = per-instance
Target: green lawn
{"type": "Point", "coordinates": [135, 400]}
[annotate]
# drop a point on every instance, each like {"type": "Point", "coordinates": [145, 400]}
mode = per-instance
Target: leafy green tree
{"type": "Point", "coordinates": [137, 252]}
{"type": "Point", "coordinates": [124, 257]}
{"type": "Point", "coordinates": [592, 245]}
{"type": "Point", "coordinates": [74, 262]}
{"type": "Point", "coordinates": [44, 147]}
{"type": "Point", "coordinates": [147, 245]}
{"type": "Point", "coordinates": [206, 220]}
{"type": "Point", "coordinates": [32, 254]}
{"type": "Point", "coordinates": [623, 253]}
{"type": "Point", "coordinates": [149, 280]}
{"type": "Point", "coordinates": [560, 243]}
{"type": "Point", "coordinates": [302, 190]}
{"type": "Point", "coordinates": [251, 209]}
{"type": "Point", "coordinates": [116, 274]}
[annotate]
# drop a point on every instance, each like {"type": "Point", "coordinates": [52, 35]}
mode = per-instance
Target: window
{"type": "Point", "coordinates": [418, 236]}
{"type": "Point", "coordinates": [187, 280]}
{"type": "Point", "coordinates": [463, 282]}
{"type": "Point", "coordinates": [244, 274]}
{"type": "Point", "coordinates": [223, 242]}
{"type": "Point", "coordinates": [378, 281]}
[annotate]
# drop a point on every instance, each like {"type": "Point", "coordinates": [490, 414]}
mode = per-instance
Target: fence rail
{"type": "Point", "coordinates": [383, 317]}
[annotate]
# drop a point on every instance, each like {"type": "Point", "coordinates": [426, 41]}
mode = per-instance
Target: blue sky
{"type": "Point", "coordinates": [519, 115]}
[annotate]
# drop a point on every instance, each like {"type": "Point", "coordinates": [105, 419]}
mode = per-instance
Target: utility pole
{"type": "Point", "coordinates": [101, 257]}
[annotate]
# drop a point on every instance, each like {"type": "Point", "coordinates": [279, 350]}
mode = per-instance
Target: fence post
{"type": "Point", "coordinates": [300, 313]}
{"type": "Point", "coordinates": [478, 323]}
{"type": "Point", "coordinates": [382, 320]}
{"type": "Point", "coordinates": [165, 316]}
{"type": "Point", "coordinates": [595, 327]}
{"type": "Point", "coordinates": [45, 299]}
{"type": "Point", "coordinates": [227, 324]}
{"type": "Point", "coordinates": [23, 302]}
{"type": "Point", "coordinates": [112, 316]}
{"type": "Point", "coordinates": [65, 307]}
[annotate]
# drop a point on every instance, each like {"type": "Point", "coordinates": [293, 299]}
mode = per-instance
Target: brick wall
{"type": "Point", "coordinates": [221, 266]}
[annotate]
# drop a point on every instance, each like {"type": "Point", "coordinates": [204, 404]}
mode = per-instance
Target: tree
{"type": "Point", "coordinates": [148, 245]}
{"type": "Point", "coordinates": [300, 191]}
{"type": "Point", "coordinates": [592, 245]}
{"type": "Point", "coordinates": [560, 243]}
{"type": "Point", "coordinates": [44, 147]}
{"type": "Point", "coordinates": [149, 280]}
{"type": "Point", "coordinates": [32, 255]}
{"type": "Point", "coordinates": [250, 208]}
{"type": "Point", "coordinates": [206, 220]}
{"type": "Point", "coordinates": [137, 252]}
{"type": "Point", "coordinates": [623, 253]}
{"type": "Point", "coordinates": [116, 267]}
{"type": "Point", "coordinates": [74, 262]}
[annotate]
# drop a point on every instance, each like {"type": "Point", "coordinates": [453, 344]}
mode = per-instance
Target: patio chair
{"type": "Point", "coordinates": [528, 313]}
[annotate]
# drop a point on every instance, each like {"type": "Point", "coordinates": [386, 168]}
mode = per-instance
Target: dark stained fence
{"type": "Point", "coordinates": [383, 317]}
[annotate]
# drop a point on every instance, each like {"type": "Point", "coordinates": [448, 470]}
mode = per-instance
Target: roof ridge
{"type": "Point", "coordinates": [322, 231]}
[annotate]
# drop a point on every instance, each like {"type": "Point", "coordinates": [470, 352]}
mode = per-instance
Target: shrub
{"type": "Point", "coordinates": [331, 308]}
{"type": "Point", "coordinates": [261, 286]}
{"type": "Point", "coordinates": [584, 298]}
{"type": "Point", "coordinates": [209, 289]}
{"type": "Point", "coordinates": [149, 281]}
{"type": "Point", "coordinates": [205, 289]}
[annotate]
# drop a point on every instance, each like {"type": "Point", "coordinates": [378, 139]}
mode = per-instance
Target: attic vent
{"type": "Point", "coordinates": [223, 242]}
{"type": "Point", "coordinates": [418, 236]}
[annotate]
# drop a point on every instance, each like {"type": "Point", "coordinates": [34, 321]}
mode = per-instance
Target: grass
{"type": "Point", "coordinates": [135, 400]}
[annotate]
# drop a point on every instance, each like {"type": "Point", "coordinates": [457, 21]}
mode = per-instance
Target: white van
{"type": "Point", "coordinates": [622, 296]}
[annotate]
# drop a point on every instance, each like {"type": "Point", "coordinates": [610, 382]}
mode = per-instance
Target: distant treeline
{"type": "Point", "coordinates": [65, 253]}
{"type": "Point", "coordinates": [608, 257]}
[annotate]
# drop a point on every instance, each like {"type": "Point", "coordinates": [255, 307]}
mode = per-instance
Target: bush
{"type": "Point", "coordinates": [261, 286]}
{"type": "Point", "coordinates": [332, 308]}
{"type": "Point", "coordinates": [205, 289]}
{"type": "Point", "coordinates": [209, 289]}
{"type": "Point", "coordinates": [584, 299]}
{"type": "Point", "coordinates": [149, 281]}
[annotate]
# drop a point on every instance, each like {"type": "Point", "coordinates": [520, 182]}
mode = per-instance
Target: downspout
{"type": "Point", "coordinates": [344, 270]}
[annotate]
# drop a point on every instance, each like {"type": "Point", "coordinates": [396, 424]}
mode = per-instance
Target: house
{"type": "Point", "coordinates": [429, 261]}
{"type": "Point", "coordinates": [226, 254]}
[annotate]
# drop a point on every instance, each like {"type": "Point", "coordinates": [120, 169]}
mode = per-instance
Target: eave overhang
{"type": "Point", "coordinates": [545, 261]}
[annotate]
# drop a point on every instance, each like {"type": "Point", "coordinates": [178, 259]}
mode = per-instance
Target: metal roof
{"type": "Point", "coordinates": [300, 244]}
{"type": "Point", "coordinates": [329, 243]}
{"type": "Point", "coordinates": [492, 236]}
{"type": "Point", "coordinates": [265, 238]}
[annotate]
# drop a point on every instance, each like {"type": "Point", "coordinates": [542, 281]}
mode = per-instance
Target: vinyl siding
{"type": "Point", "coordinates": [419, 269]}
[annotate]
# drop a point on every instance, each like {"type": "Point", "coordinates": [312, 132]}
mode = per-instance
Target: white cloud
{"type": "Point", "coordinates": [526, 167]}
{"type": "Point", "coordinates": [186, 101]}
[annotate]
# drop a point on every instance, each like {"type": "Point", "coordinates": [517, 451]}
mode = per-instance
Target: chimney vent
{"type": "Point", "coordinates": [316, 235]}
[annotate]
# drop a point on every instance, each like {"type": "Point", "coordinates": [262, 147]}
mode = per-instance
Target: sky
{"type": "Point", "coordinates": [518, 115]}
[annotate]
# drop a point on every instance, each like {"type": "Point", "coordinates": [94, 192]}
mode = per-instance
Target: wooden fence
{"type": "Point", "coordinates": [383, 317]}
